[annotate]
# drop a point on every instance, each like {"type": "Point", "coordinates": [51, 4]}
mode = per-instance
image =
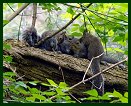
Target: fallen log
{"type": "Point", "coordinates": [36, 64]}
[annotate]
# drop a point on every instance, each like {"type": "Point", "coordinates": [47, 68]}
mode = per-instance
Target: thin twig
{"type": "Point", "coordinates": [74, 97]}
{"type": "Point", "coordinates": [92, 25]}
{"type": "Point", "coordinates": [90, 65]}
{"type": "Point", "coordinates": [10, 7]}
{"type": "Point", "coordinates": [19, 27]}
{"type": "Point", "coordinates": [98, 73]}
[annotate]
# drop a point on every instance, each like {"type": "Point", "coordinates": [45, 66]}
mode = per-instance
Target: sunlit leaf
{"type": "Point", "coordinates": [6, 46]}
{"type": "Point", "coordinates": [32, 99]}
{"type": "Point", "coordinates": [60, 92]}
{"type": "Point", "coordinates": [111, 33]}
{"type": "Point", "coordinates": [92, 92]}
{"type": "Point", "coordinates": [7, 58]}
{"type": "Point", "coordinates": [33, 82]}
{"type": "Point", "coordinates": [20, 83]}
{"type": "Point", "coordinates": [49, 93]}
{"type": "Point", "coordinates": [9, 74]}
{"type": "Point", "coordinates": [5, 22]}
{"type": "Point", "coordinates": [38, 96]}
{"type": "Point", "coordinates": [117, 94]}
{"type": "Point", "coordinates": [66, 15]}
{"type": "Point", "coordinates": [76, 34]}
{"type": "Point", "coordinates": [70, 10]}
{"type": "Point", "coordinates": [118, 50]}
{"type": "Point", "coordinates": [62, 85]}
{"type": "Point", "coordinates": [34, 90]}
{"type": "Point", "coordinates": [126, 94]}
{"type": "Point", "coordinates": [92, 98]}
{"type": "Point", "coordinates": [52, 83]}
{"type": "Point", "coordinates": [123, 100]}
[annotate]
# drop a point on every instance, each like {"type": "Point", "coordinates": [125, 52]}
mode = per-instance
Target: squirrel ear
{"type": "Point", "coordinates": [63, 33]}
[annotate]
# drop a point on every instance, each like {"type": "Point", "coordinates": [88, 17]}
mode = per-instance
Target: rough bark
{"type": "Point", "coordinates": [38, 64]}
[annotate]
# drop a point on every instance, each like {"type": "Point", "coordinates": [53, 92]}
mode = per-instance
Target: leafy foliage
{"type": "Point", "coordinates": [114, 97]}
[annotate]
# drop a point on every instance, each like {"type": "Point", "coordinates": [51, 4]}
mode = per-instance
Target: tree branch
{"type": "Point", "coordinates": [17, 12]}
{"type": "Point", "coordinates": [34, 14]}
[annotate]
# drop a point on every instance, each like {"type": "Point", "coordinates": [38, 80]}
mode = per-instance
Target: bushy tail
{"type": "Point", "coordinates": [30, 36]}
{"type": "Point", "coordinates": [112, 61]}
{"type": "Point", "coordinates": [98, 82]}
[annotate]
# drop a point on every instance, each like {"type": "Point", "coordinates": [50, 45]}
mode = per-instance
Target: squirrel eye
{"type": "Point", "coordinates": [70, 38]}
{"type": "Point", "coordinates": [77, 42]}
{"type": "Point", "coordinates": [60, 38]}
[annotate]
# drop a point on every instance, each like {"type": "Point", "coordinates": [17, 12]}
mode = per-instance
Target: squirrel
{"type": "Point", "coordinates": [52, 43]}
{"type": "Point", "coordinates": [79, 50]}
{"type": "Point", "coordinates": [88, 47]}
{"type": "Point", "coordinates": [94, 48]}
{"type": "Point", "coordinates": [65, 46]}
{"type": "Point", "coordinates": [30, 37]}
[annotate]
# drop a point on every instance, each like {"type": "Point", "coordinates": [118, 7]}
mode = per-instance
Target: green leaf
{"type": "Point", "coordinates": [123, 100]}
{"type": "Point", "coordinates": [6, 46]}
{"type": "Point", "coordinates": [49, 93]}
{"type": "Point", "coordinates": [104, 97]}
{"type": "Point", "coordinates": [92, 98]}
{"type": "Point", "coordinates": [109, 94]}
{"type": "Point", "coordinates": [121, 37]}
{"type": "Point", "coordinates": [75, 28]}
{"type": "Point", "coordinates": [9, 74]}
{"type": "Point", "coordinates": [60, 92]}
{"type": "Point", "coordinates": [92, 92]}
{"type": "Point", "coordinates": [69, 10]}
{"type": "Point", "coordinates": [126, 94]}
{"type": "Point", "coordinates": [76, 25]}
{"type": "Point", "coordinates": [62, 85]}
{"type": "Point", "coordinates": [123, 43]}
{"type": "Point", "coordinates": [67, 98]}
{"type": "Point", "coordinates": [118, 50]}
{"type": "Point", "coordinates": [22, 91]}
{"type": "Point", "coordinates": [81, 29]}
{"type": "Point", "coordinates": [33, 82]}
{"type": "Point", "coordinates": [5, 22]}
{"type": "Point", "coordinates": [118, 38]}
{"type": "Point", "coordinates": [111, 33]}
{"type": "Point", "coordinates": [52, 83]}
{"type": "Point", "coordinates": [20, 83]}
{"type": "Point", "coordinates": [7, 58]}
{"type": "Point", "coordinates": [76, 34]}
{"type": "Point", "coordinates": [126, 52]}
{"type": "Point", "coordinates": [117, 94]}
{"type": "Point", "coordinates": [34, 90]}
{"type": "Point", "coordinates": [32, 99]}
{"type": "Point", "coordinates": [40, 97]}
{"type": "Point", "coordinates": [19, 5]}
{"type": "Point", "coordinates": [45, 84]}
